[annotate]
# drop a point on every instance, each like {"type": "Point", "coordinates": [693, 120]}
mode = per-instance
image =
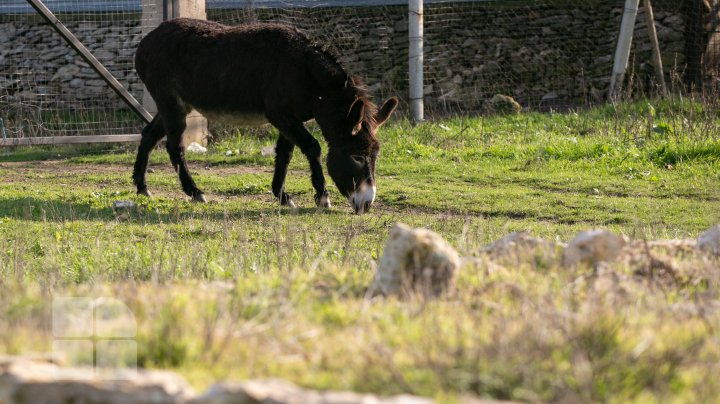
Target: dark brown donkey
{"type": "Point", "coordinates": [265, 73]}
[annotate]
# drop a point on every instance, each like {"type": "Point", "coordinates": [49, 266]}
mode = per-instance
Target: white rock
{"type": "Point", "coordinates": [123, 205]}
{"type": "Point", "coordinates": [517, 243]}
{"type": "Point", "coordinates": [196, 148]}
{"type": "Point", "coordinates": [27, 381]}
{"type": "Point", "coordinates": [282, 392]}
{"type": "Point", "coordinates": [593, 247]}
{"type": "Point", "coordinates": [710, 240]}
{"type": "Point", "coordinates": [415, 261]}
{"type": "Point", "coordinates": [268, 151]}
{"type": "Point", "coordinates": [66, 73]}
{"type": "Point", "coordinates": [104, 55]}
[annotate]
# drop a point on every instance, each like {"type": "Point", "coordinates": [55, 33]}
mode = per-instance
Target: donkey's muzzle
{"type": "Point", "coordinates": [362, 198]}
{"type": "Point", "coordinates": [362, 209]}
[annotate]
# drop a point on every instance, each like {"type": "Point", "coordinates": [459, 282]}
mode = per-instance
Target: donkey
{"type": "Point", "coordinates": [255, 74]}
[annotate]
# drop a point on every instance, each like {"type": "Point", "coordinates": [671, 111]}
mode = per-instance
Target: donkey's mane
{"type": "Point", "coordinates": [354, 85]}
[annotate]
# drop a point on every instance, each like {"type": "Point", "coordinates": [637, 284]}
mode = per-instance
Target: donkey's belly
{"type": "Point", "coordinates": [235, 118]}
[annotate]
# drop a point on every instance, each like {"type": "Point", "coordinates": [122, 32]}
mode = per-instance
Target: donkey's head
{"type": "Point", "coordinates": [354, 151]}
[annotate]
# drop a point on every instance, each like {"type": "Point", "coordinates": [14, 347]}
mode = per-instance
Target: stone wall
{"type": "Point", "coordinates": [548, 54]}
{"type": "Point", "coordinates": [38, 67]}
{"type": "Point", "coordinates": [555, 56]}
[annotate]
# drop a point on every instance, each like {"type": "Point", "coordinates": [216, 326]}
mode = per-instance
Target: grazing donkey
{"type": "Point", "coordinates": [254, 74]}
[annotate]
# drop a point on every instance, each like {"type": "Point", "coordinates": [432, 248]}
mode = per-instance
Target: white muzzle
{"type": "Point", "coordinates": [361, 199]}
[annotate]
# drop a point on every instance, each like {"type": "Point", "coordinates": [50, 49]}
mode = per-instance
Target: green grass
{"type": "Point", "coordinates": [242, 288]}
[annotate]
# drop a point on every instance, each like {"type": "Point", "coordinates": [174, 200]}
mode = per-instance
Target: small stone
{"type": "Point", "coordinates": [593, 247]}
{"type": "Point", "coordinates": [710, 240]}
{"type": "Point", "coordinates": [96, 83]}
{"type": "Point", "coordinates": [280, 391]}
{"type": "Point", "coordinates": [66, 73]}
{"type": "Point", "coordinates": [112, 43]}
{"type": "Point", "coordinates": [519, 244]}
{"type": "Point", "coordinates": [552, 95]}
{"type": "Point", "coordinates": [268, 151]}
{"type": "Point", "coordinates": [502, 105]}
{"type": "Point", "coordinates": [104, 55]}
{"type": "Point", "coordinates": [117, 205]}
{"type": "Point", "coordinates": [28, 96]}
{"type": "Point", "coordinates": [196, 148]}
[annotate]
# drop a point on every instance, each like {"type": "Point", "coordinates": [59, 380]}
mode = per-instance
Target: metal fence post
{"type": "Point", "coordinates": [415, 34]}
{"type": "Point", "coordinates": [622, 52]}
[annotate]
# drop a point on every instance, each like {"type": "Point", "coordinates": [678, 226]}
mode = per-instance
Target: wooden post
{"type": "Point", "coordinates": [154, 11]}
{"type": "Point", "coordinates": [71, 40]}
{"type": "Point", "coordinates": [652, 33]}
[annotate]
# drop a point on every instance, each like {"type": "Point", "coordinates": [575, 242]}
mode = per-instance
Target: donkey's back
{"type": "Point", "coordinates": [226, 71]}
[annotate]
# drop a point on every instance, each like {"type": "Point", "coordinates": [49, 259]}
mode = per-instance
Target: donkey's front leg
{"type": "Point", "coordinates": [311, 149]}
{"type": "Point", "coordinates": [296, 133]}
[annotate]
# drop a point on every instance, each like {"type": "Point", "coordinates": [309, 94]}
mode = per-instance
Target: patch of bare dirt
{"type": "Point", "coordinates": [63, 167]}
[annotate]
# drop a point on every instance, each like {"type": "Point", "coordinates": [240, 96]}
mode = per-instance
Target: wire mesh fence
{"type": "Point", "coordinates": [547, 54]}
{"type": "Point", "coordinates": [47, 89]}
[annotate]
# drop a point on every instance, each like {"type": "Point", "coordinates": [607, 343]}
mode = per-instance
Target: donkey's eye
{"type": "Point", "coordinates": [359, 160]}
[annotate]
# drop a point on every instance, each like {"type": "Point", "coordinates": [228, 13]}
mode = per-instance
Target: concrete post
{"type": "Point", "coordinates": [152, 16]}
{"type": "Point", "coordinates": [153, 12]}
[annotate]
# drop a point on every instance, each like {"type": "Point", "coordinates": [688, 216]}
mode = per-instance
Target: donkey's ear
{"type": "Point", "coordinates": [387, 109]}
{"type": "Point", "coordinates": [356, 115]}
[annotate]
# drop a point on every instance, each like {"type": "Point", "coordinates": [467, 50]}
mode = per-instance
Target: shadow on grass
{"type": "Point", "coordinates": [56, 210]}
{"type": "Point", "coordinates": [57, 152]}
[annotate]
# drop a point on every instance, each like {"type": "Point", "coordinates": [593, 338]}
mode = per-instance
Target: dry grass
{"type": "Point", "coordinates": [516, 328]}
{"type": "Point", "coordinates": [241, 288]}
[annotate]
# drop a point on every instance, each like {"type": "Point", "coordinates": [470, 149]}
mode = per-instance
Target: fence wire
{"type": "Point", "coordinates": [47, 89]}
{"type": "Point", "coordinates": [547, 54]}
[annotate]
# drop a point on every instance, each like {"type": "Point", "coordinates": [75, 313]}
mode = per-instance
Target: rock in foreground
{"type": "Point", "coordinates": [25, 381]}
{"type": "Point", "coordinates": [709, 241]}
{"type": "Point", "coordinates": [415, 261]}
{"type": "Point", "coordinates": [28, 381]}
{"type": "Point", "coordinates": [593, 247]}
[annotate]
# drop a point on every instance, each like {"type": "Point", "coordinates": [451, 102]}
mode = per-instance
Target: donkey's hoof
{"type": "Point", "coordinates": [144, 192]}
{"type": "Point", "coordinates": [323, 201]}
{"type": "Point", "coordinates": [199, 197]}
{"type": "Point", "coordinates": [286, 200]}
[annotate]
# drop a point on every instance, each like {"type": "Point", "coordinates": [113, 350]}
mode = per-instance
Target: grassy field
{"type": "Point", "coordinates": [242, 288]}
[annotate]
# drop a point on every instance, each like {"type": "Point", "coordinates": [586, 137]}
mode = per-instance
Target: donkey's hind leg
{"type": "Point", "coordinates": [283, 153]}
{"type": "Point", "coordinates": [151, 135]}
{"type": "Point", "coordinates": [175, 126]}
